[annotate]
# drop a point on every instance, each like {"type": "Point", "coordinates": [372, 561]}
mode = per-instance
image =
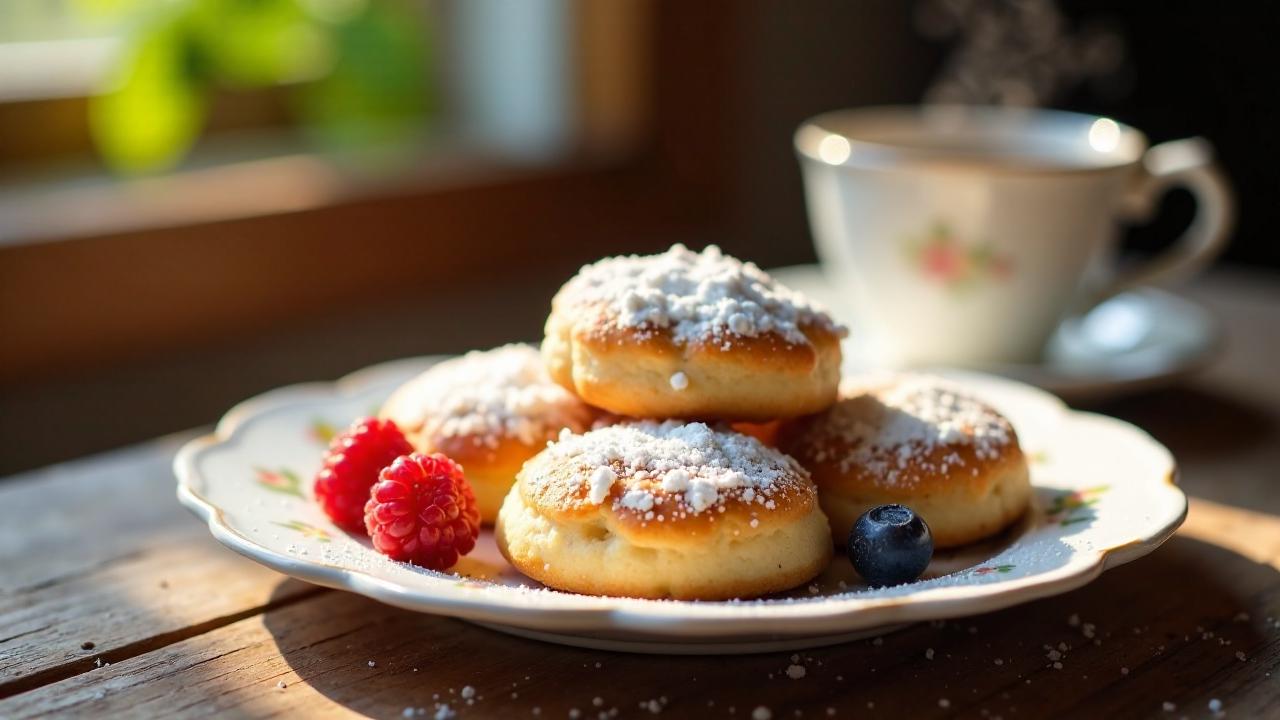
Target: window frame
{"type": "Point", "coordinates": [652, 170]}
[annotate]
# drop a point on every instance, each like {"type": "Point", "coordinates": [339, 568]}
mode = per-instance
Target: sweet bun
{"type": "Point", "coordinates": [488, 410]}
{"type": "Point", "coordinates": [664, 510]}
{"type": "Point", "coordinates": [692, 335]}
{"type": "Point", "coordinates": [917, 441]}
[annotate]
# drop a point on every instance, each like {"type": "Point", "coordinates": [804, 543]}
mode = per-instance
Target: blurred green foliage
{"type": "Point", "coordinates": [38, 20]}
{"type": "Point", "coordinates": [356, 70]}
{"type": "Point", "coordinates": [370, 95]}
{"type": "Point", "coordinates": [154, 113]}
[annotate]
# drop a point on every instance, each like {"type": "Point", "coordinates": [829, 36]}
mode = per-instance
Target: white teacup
{"type": "Point", "coordinates": [965, 235]}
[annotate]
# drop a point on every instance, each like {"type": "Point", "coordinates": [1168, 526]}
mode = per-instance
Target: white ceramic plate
{"type": "Point", "coordinates": [1105, 494]}
{"type": "Point", "coordinates": [1137, 340]}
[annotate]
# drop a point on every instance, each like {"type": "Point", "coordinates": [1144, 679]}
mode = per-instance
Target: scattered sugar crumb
{"type": "Point", "coordinates": [928, 653]}
{"type": "Point", "coordinates": [679, 381]}
{"type": "Point", "coordinates": [280, 684]}
{"type": "Point", "coordinates": [944, 703]}
{"type": "Point", "coordinates": [1168, 706]}
{"type": "Point", "coordinates": [468, 692]}
{"type": "Point", "coordinates": [373, 664]}
{"type": "Point", "coordinates": [600, 484]}
{"type": "Point", "coordinates": [795, 672]}
{"type": "Point", "coordinates": [1215, 705]}
{"type": "Point", "coordinates": [761, 713]}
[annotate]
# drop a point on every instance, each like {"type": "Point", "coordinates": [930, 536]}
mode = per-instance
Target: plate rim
{"type": "Point", "coordinates": [695, 619]}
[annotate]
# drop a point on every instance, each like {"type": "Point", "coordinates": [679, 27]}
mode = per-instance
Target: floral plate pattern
{"type": "Point", "coordinates": [1105, 494]}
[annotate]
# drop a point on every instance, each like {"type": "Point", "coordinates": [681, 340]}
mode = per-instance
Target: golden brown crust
{"type": "Point", "coordinates": [694, 335]}
{"type": "Point", "coordinates": [630, 371]}
{"type": "Point", "coordinates": [591, 560]}
{"type": "Point", "coordinates": [561, 495]}
{"type": "Point", "coordinates": [965, 489]}
{"type": "Point", "coordinates": [489, 411]}
{"type": "Point", "coordinates": [952, 468]}
{"type": "Point", "coordinates": [683, 511]}
{"type": "Point", "coordinates": [960, 507]}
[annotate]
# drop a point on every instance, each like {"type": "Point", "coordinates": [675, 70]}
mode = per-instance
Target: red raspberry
{"type": "Point", "coordinates": [422, 510]}
{"type": "Point", "coordinates": [351, 466]}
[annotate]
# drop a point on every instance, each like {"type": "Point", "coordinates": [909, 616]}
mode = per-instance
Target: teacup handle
{"type": "Point", "coordinates": [1180, 163]}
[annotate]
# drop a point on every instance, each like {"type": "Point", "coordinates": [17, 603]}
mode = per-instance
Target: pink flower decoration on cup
{"type": "Point", "coordinates": [941, 257]}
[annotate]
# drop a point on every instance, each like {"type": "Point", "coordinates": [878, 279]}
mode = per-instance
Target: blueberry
{"type": "Point", "coordinates": [890, 545]}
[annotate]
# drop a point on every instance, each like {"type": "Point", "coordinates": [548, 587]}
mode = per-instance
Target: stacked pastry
{"type": "Point", "coordinates": [617, 452]}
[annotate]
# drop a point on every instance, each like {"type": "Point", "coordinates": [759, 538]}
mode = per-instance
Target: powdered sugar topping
{"type": "Point", "coordinates": [883, 423]}
{"type": "Point", "coordinates": [490, 394]}
{"type": "Point", "coordinates": [666, 470]}
{"type": "Point", "coordinates": [600, 483]}
{"type": "Point", "coordinates": [699, 296]}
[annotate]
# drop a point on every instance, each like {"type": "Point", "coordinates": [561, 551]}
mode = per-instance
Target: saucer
{"type": "Point", "coordinates": [1135, 341]}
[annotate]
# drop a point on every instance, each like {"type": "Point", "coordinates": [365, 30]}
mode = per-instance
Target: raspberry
{"type": "Point", "coordinates": [351, 466]}
{"type": "Point", "coordinates": [422, 510]}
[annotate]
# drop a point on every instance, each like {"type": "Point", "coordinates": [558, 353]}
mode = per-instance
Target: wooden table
{"type": "Point", "coordinates": [114, 600]}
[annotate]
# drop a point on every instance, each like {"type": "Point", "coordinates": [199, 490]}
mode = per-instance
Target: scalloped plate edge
{"type": "Point", "coordinates": [690, 621]}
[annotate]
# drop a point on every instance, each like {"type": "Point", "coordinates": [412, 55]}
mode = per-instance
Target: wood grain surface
{"type": "Point", "coordinates": [115, 601]}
